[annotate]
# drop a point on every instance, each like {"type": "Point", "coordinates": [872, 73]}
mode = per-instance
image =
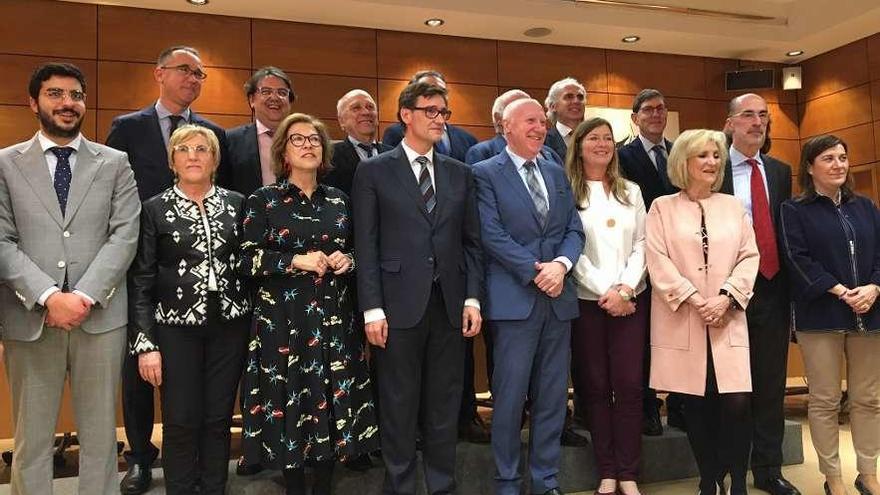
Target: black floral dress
{"type": "Point", "coordinates": [306, 389]}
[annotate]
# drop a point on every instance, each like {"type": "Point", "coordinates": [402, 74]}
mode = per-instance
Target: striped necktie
{"type": "Point", "coordinates": [425, 185]}
{"type": "Point", "coordinates": [535, 191]}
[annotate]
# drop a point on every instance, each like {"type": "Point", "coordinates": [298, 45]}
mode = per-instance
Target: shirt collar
{"type": "Point", "coordinates": [737, 158]}
{"type": "Point", "coordinates": [411, 154]}
{"type": "Point", "coordinates": [261, 128]}
{"type": "Point", "coordinates": [163, 112]}
{"type": "Point", "coordinates": [648, 145]}
{"type": "Point", "coordinates": [517, 160]}
{"type": "Point", "coordinates": [46, 143]}
{"type": "Point", "coordinates": [355, 142]}
{"type": "Point", "coordinates": [180, 193]}
{"type": "Point", "coordinates": [563, 129]}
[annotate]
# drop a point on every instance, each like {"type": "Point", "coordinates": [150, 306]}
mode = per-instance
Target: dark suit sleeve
{"type": "Point", "coordinates": [142, 288]}
{"type": "Point", "coordinates": [116, 137]}
{"type": "Point", "coordinates": [224, 171]}
{"type": "Point", "coordinates": [496, 240]}
{"type": "Point", "coordinates": [551, 155]}
{"type": "Point", "coordinates": [785, 183]}
{"type": "Point", "coordinates": [474, 155]}
{"type": "Point", "coordinates": [473, 245]}
{"type": "Point", "coordinates": [393, 135]}
{"type": "Point", "coordinates": [365, 207]}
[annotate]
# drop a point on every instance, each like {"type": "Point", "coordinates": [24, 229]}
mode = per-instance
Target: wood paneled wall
{"type": "Point", "coordinates": [117, 46]}
{"type": "Point", "coordinates": [841, 95]}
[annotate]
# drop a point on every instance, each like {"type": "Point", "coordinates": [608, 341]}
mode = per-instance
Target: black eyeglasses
{"type": "Point", "coordinates": [432, 112]}
{"type": "Point", "coordinates": [267, 92]}
{"type": "Point", "coordinates": [187, 71]}
{"type": "Point", "coordinates": [59, 94]}
{"type": "Point", "coordinates": [298, 140]}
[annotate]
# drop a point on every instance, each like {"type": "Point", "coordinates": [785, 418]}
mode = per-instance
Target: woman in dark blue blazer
{"type": "Point", "coordinates": [831, 238]}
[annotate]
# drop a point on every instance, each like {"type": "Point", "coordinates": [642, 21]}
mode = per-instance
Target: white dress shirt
{"type": "Point", "coordinates": [614, 252]}
{"type": "Point", "coordinates": [376, 314]}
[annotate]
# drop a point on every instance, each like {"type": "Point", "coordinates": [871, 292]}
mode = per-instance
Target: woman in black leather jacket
{"type": "Point", "coordinates": [189, 312]}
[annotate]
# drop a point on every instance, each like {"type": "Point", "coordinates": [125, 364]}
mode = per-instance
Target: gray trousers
{"type": "Point", "coordinates": [37, 371]}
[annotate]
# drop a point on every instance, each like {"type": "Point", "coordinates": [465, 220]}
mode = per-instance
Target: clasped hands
{"type": "Point", "coordinates": [613, 304]}
{"type": "Point", "coordinates": [860, 298]}
{"type": "Point", "coordinates": [67, 310]}
{"type": "Point", "coordinates": [550, 277]}
{"type": "Point", "coordinates": [713, 310]}
{"type": "Point", "coordinates": [318, 262]}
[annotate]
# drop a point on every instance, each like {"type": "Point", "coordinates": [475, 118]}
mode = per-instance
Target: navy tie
{"type": "Point", "coordinates": [660, 157]}
{"type": "Point", "coordinates": [176, 120]}
{"type": "Point", "coordinates": [366, 147]}
{"type": "Point", "coordinates": [63, 174]}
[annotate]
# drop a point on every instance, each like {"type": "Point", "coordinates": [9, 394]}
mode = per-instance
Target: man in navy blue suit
{"type": "Point", "coordinates": [531, 235]}
{"type": "Point", "coordinates": [144, 136]}
{"type": "Point", "coordinates": [454, 142]}
{"type": "Point", "coordinates": [420, 279]}
{"type": "Point", "coordinates": [566, 101]}
{"type": "Point", "coordinates": [491, 147]}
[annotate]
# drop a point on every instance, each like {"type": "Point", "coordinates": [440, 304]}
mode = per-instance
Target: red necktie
{"type": "Point", "coordinates": [765, 236]}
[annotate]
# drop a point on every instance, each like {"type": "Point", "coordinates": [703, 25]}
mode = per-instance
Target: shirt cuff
{"type": "Point", "coordinates": [45, 295]}
{"type": "Point", "coordinates": [565, 261]}
{"type": "Point", "coordinates": [88, 297]}
{"type": "Point", "coordinates": [472, 302]}
{"type": "Point", "coordinates": [374, 314]}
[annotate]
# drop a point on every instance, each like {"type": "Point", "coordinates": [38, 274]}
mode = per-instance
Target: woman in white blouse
{"type": "Point", "coordinates": [608, 339]}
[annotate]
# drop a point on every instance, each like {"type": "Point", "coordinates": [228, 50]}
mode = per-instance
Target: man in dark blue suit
{"type": "Point", "coordinates": [491, 147]}
{"type": "Point", "coordinates": [454, 142]}
{"type": "Point", "coordinates": [643, 161]}
{"type": "Point", "coordinates": [420, 278]}
{"type": "Point", "coordinates": [532, 235]}
{"type": "Point", "coordinates": [270, 95]}
{"type": "Point", "coordinates": [566, 101]}
{"type": "Point", "coordinates": [144, 136]}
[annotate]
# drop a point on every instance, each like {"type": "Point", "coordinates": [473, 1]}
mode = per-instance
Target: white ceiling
{"type": "Point", "coordinates": [815, 26]}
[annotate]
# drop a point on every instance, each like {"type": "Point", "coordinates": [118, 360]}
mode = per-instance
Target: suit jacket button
{"type": "Point", "coordinates": [66, 234]}
{"type": "Point", "coordinates": [431, 259]}
{"type": "Point", "coordinates": [61, 264]}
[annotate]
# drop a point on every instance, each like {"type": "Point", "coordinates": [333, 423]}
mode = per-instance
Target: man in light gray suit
{"type": "Point", "coordinates": [68, 231]}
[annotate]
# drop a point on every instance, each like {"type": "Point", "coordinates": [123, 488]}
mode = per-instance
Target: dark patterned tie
{"type": "Point", "coordinates": [368, 148]}
{"type": "Point", "coordinates": [175, 123]}
{"type": "Point", "coordinates": [425, 185]}
{"type": "Point", "coordinates": [660, 160]}
{"type": "Point", "coordinates": [535, 190]}
{"type": "Point", "coordinates": [63, 174]}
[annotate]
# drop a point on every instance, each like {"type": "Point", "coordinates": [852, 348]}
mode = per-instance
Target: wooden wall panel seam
{"type": "Point", "coordinates": [833, 93]}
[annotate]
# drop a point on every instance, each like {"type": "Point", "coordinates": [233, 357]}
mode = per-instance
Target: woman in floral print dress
{"type": "Point", "coordinates": [306, 389]}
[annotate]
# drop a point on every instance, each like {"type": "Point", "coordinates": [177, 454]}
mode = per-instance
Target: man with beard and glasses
{"type": "Point", "coordinates": [144, 136]}
{"type": "Point", "coordinates": [68, 231]}
{"type": "Point", "coordinates": [270, 95]}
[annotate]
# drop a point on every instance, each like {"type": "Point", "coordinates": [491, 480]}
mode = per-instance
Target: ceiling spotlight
{"type": "Point", "coordinates": [630, 39]}
{"type": "Point", "coordinates": [435, 22]}
{"type": "Point", "coordinates": [537, 32]}
{"type": "Point", "coordinates": [795, 53]}
{"type": "Point", "coordinates": [198, 2]}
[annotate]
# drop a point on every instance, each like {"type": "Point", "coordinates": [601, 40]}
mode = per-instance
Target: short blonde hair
{"type": "Point", "coordinates": [186, 132]}
{"type": "Point", "coordinates": [688, 145]}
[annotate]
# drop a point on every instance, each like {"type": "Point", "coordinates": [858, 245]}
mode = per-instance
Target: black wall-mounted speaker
{"type": "Point", "coordinates": [749, 79]}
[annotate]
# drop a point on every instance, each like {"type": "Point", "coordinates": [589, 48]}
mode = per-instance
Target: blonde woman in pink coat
{"type": "Point", "coordinates": [702, 260]}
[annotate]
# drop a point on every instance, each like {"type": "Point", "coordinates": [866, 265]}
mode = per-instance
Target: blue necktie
{"type": "Point", "coordinates": [63, 174]}
{"type": "Point", "coordinates": [535, 191]}
{"type": "Point", "coordinates": [660, 158]}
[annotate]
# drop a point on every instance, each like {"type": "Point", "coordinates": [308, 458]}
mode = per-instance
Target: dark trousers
{"type": "Point", "coordinates": [137, 414]}
{"type": "Point", "coordinates": [420, 369]}
{"type": "Point", "coordinates": [468, 410]}
{"type": "Point", "coordinates": [768, 318]}
{"type": "Point", "coordinates": [201, 368]}
{"type": "Point", "coordinates": [531, 360]}
{"type": "Point", "coordinates": [718, 427]}
{"type": "Point", "coordinates": [606, 357]}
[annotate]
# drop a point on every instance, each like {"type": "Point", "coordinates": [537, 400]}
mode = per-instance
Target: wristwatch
{"type": "Point", "coordinates": [626, 296]}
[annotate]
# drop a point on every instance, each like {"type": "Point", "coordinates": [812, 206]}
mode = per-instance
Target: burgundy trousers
{"type": "Point", "coordinates": [607, 356]}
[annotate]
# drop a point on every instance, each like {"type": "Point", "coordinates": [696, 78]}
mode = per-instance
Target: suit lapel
{"type": "Point", "coordinates": [550, 185]}
{"type": "Point", "coordinates": [156, 129]}
{"type": "Point", "coordinates": [33, 167]}
{"type": "Point", "coordinates": [253, 150]}
{"type": "Point", "coordinates": [647, 166]}
{"type": "Point", "coordinates": [403, 171]}
{"type": "Point", "coordinates": [770, 169]}
{"type": "Point", "coordinates": [87, 164]}
{"type": "Point", "coordinates": [442, 182]}
{"type": "Point", "coordinates": [508, 170]}
{"type": "Point", "coordinates": [727, 181]}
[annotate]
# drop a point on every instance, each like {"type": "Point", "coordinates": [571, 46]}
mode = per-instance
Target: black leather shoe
{"type": "Point", "coordinates": [863, 490]}
{"type": "Point", "coordinates": [651, 425]}
{"type": "Point", "coordinates": [571, 438]}
{"type": "Point", "coordinates": [474, 431]}
{"type": "Point", "coordinates": [243, 469]}
{"type": "Point", "coordinates": [360, 463]}
{"type": "Point", "coordinates": [136, 480]}
{"type": "Point", "coordinates": [777, 486]}
{"type": "Point", "coordinates": [554, 491]}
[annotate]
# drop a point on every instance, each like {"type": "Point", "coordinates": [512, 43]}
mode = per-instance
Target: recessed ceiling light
{"type": "Point", "coordinates": [630, 39]}
{"type": "Point", "coordinates": [198, 2]}
{"type": "Point", "coordinates": [537, 32]}
{"type": "Point", "coordinates": [795, 53]}
{"type": "Point", "coordinates": [435, 22]}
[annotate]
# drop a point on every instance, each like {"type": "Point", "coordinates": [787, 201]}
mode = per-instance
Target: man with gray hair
{"type": "Point", "coordinates": [359, 120]}
{"type": "Point", "coordinates": [491, 147]}
{"type": "Point", "coordinates": [565, 103]}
